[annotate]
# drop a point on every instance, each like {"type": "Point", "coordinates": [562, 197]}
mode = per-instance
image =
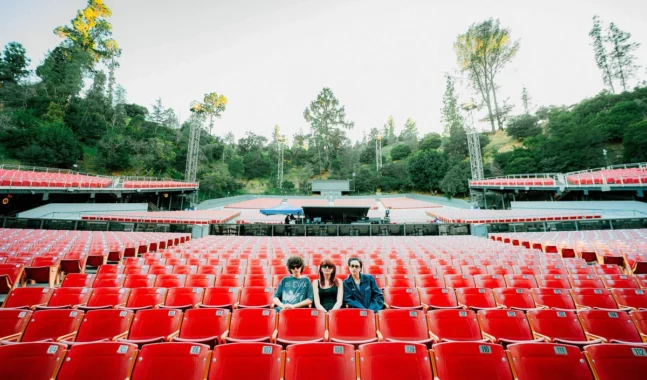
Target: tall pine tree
{"type": "Point", "coordinates": [600, 52]}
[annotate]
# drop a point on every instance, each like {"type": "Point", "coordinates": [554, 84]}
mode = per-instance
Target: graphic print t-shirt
{"type": "Point", "coordinates": [294, 290]}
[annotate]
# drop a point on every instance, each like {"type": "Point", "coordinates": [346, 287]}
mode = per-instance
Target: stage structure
{"type": "Point", "coordinates": [331, 187]}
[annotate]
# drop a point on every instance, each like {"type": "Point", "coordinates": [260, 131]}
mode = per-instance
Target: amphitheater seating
{"type": "Point", "coordinates": [505, 326]}
{"type": "Point", "coordinates": [301, 326]}
{"type": "Point", "coordinates": [159, 185]}
{"type": "Point", "coordinates": [199, 217]}
{"type": "Point", "coordinates": [204, 326]}
{"type": "Point", "coordinates": [617, 361]}
{"type": "Point", "coordinates": [451, 215]}
{"type": "Point", "coordinates": [188, 361]}
{"type": "Point", "coordinates": [104, 325]}
{"type": "Point", "coordinates": [467, 360]}
{"type": "Point", "coordinates": [13, 323]}
{"type": "Point", "coordinates": [401, 325]}
{"type": "Point", "coordinates": [23, 178]}
{"type": "Point", "coordinates": [352, 326]}
{"type": "Point", "coordinates": [515, 182]}
{"type": "Point", "coordinates": [251, 325]}
{"type": "Point", "coordinates": [31, 360]}
{"type": "Point", "coordinates": [53, 325]}
{"type": "Point", "coordinates": [558, 326]}
{"type": "Point", "coordinates": [82, 361]}
{"type": "Point", "coordinates": [453, 325]}
{"type": "Point", "coordinates": [609, 326]}
{"type": "Point", "coordinates": [616, 177]}
{"type": "Point", "coordinates": [151, 326]}
{"type": "Point", "coordinates": [394, 361]}
{"type": "Point", "coordinates": [548, 361]}
{"type": "Point", "coordinates": [28, 297]}
{"type": "Point", "coordinates": [246, 361]}
{"type": "Point", "coordinates": [102, 298]}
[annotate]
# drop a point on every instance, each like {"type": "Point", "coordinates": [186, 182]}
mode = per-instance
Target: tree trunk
{"type": "Point", "coordinates": [496, 106]}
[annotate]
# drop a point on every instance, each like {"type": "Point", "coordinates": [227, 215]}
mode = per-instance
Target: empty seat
{"type": "Point", "coordinates": [186, 361]}
{"type": "Point", "coordinates": [200, 280]}
{"type": "Point", "coordinates": [134, 281]}
{"type": "Point", "coordinates": [402, 298]}
{"type": "Point", "coordinates": [400, 281]}
{"type": "Point", "coordinates": [103, 298]}
{"type": "Point", "coordinates": [400, 360]}
{"type": "Point", "coordinates": [146, 298]}
{"type": "Point", "coordinates": [514, 298]}
{"type": "Point", "coordinates": [160, 269]}
{"type": "Point", "coordinates": [401, 325]}
{"type": "Point", "coordinates": [154, 326]}
{"type": "Point", "coordinates": [78, 280]}
{"type": "Point", "coordinates": [320, 361]}
{"type": "Point", "coordinates": [475, 298]}
{"type": "Point", "coordinates": [617, 361]}
{"type": "Point", "coordinates": [500, 270]}
{"type": "Point", "coordinates": [170, 280]}
{"type": "Point", "coordinates": [83, 361]}
{"type": "Point", "coordinates": [548, 361]}
{"type": "Point", "coordinates": [559, 281]}
{"type": "Point", "coordinates": [204, 326]}
{"type": "Point", "coordinates": [438, 298]}
{"type": "Point", "coordinates": [109, 281]}
{"type": "Point", "coordinates": [619, 281]}
{"type": "Point", "coordinates": [28, 297]}
{"type": "Point", "coordinates": [13, 323]}
{"type": "Point", "coordinates": [262, 280]}
{"type": "Point", "coordinates": [490, 281]}
{"type": "Point", "coordinates": [593, 298]}
{"type": "Point", "coordinates": [53, 325]}
{"type": "Point", "coordinates": [301, 325]}
{"type": "Point", "coordinates": [610, 326]}
{"type": "Point", "coordinates": [183, 269]}
{"type": "Point", "coordinates": [110, 324]}
{"type": "Point", "coordinates": [251, 325]}
{"type": "Point", "coordinates": [504, 326]}
{"type": "Point", "coordinates": [110, 269]}
{"type": "Point", "coordinates": [136, 269]}
{"type": "Point", "coordinates": [353, 326]}
{"type": "Point", "coordinates": [639, 317]}
{"type": "Point", "coordinates": [470, 360]}
{"type": "Point", "coordinates": [552, 298]}
{"type": "Point", "coordinates": [247, 361]}
{"type": "Point", "coordinates": [459, 281]}
{"type": "Point", "coordinates": [33, 361]}
{"type": "Point", "coordinates": [630, 298]}
{"type": "Point", "coordinates": [10, 275]}
{"type": "Point", "coordinates": [220, 297]}
{"type": "Point", "coordinates": [557, 326]}
{"type": "Point", "coordinates": [586, 281]}
{"type": "Point", "coordinates": [230, 280]}
{"type": "Point", "coordinates": [430, 281]}
{"type": "Point", "coordinates": [520, 281]}
{"type": "Point", "coordinates": [183, 298]}
{"type": "Point", "coordinates": [69, 297]}
{"type": "Point", "coordinates": [255, 297]}
{"type": "Point", "coordinates": [453, 325]}
{"type": "Point", "coordinates": [526, 269]}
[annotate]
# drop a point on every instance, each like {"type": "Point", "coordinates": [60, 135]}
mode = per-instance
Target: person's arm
{"type": "Point", "coordinates": [340, 295]}
{"type": "Point", "coordinates": [315, 293]}
{"type": "Point", "coordinates": [277, 296]}
{"type": "Point", "coordinates": [349, 299]}
{"type": "Point", "coordinates": [377, 298]}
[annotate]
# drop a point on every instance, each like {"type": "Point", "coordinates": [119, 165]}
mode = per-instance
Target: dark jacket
{"type": "Point", "coordinates": [368, 296]}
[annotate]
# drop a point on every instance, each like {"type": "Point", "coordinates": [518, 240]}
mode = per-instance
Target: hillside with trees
{"type": "Point", "coordinates": [71, 112]}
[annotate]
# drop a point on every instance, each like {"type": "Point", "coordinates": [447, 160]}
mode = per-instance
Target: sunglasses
{"type": "Point", "coordinates": [355, 266]}
{"type": "Point", "coordinates": [295, 267]}
{"type": "Point", "coordinates": [326, 266]}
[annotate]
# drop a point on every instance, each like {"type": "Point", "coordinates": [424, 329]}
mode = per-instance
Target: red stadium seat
{"type": "Point", "coordinates": [136, 269]}
{"type": "Point", "coordinates": [101, 325]}
{"type": "Point", "coordinates": [200, 280]}
{"type": "Point", "coordinates": [110, 269]}
{"type": "Point", "coordinates": [83, 361]}
{"type": "Point", "coordinates": [246, 361]}
{"type": "Point", "coordinates": [520, 281]}
{"type": "Point", "coordinates": [438, 298]}
{"type": "Point", "coordinates": [320, 361]}
{"type": "Point", "coordinates": [639, 317]}
{"type": "Point", "coordinates": [221, 297]}
{"type": "Point", "coordinates": [103, 298]}
{"type": "Point", "coordinates": [619, 281]}
{"type": "Point", "coordinates": [43, 269]}
{"type": "Point", "coordinates": [490, 281]}
{"type": "Point", "coordinates": [557, 326]}
{"type": "Point", "coordinates": [470, 360]}
{"type": "Point", "coordinates": [593, 298]}
{"type": "Point", "coordinates": [185, 269]}
{"type": "Point", "coordinates": [500, 270]}
{"type": "Point", "coordinates": [33, 361]}
{"type": "Point", "coordinates": [251, 325]}
{"type": "Point", "coordinates": [402, 298]}
{"type": "Point", "coordinates": [204, 326]}
{"type": "Point", "coordinates": [475, 298]}
{"type": "Point", "coordinates": [255, 297]}
{"type": "Point", "coordinates": [586, 281]}
{"type": "Point", "coordinates": [400, 281]}
{"type": "Point", "coordinates": [160, 269]}
{"type": "Point", "coordinates": [146, 298]}
{"type": "Point", "coordinates": [602, 269]}
{"type": "Point", "coordinates": [209, 269]}
{"type": "Point", "coordinates": [78, 280]}
{"type": "Point", "coordinates": [109, 281]}
{"type": "Point", "coordinates": [183, 298]}
{"type": "Point", "coordinates": [617, 361]}
{"type": "Point", "coordinates": [610, 326]}
{"type": "Point", "coordinates": [10, 275]}
{"type": "Point", "coordinates": [514, 298]}
{"type": "Point", "coordinates": [353, 326]}
{"type": "Point", "coordinates": [186, 361]}
{"type": "Point", "coordinates": [474, 270]}
{"type": "Point", "coordinates": [630, 298]}
{"type": "Point", "coordinates": [453, 325]}
{"type": "Point", "coordinates": [548, 361]}
{"type": "Point", "coordinates": [552, 298]}
{"type": "Point", "coordinates": [140, 281]}
{"type": "Point", "coordinates": [505, 326]}
{"type": "Point", "coordinates": [53, 325]}
{"type": "Point", "coordinates": [385, 361]}
{"type": "Point", "coordinates": [262, 280]}
{"type": "Point", "coordinates": [13, 323]}
{"type": "Point", "coordinates": [170, 280]}
{"type": "Point", "coordinates": [430, 281]}
{"type": "Point", "coordinates": [230, 280]}
{"type": "Point", "coordinates": [301, 326]}
{"type": "Point", "coordinates": [69, 298]}
{"type": "Point", "coordinates": [459, 281]}
{"type": "Point", "coordinates": [401, 325]}
{"type": "Point", "coordinates": [559, 281]}
{"type": "Point", "coordinates": [154, 326]}
{"type": "Point", "coordinates": [28, 298]}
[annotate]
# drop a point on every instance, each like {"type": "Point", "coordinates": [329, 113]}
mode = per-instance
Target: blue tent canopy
{"type": "Point", "coordinates": [282, 209]}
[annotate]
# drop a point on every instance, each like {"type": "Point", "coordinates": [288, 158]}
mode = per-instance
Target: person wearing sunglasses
{"type": "Point", "coordinates": [293, 291]}
{"type": "Point", "coordinates": [361, 290]}
{"type": "Point", "coordinates": [328, 290]}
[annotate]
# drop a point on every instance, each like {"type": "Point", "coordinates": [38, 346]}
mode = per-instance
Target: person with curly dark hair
{"type": "Point", "coordinates": [293, 291]}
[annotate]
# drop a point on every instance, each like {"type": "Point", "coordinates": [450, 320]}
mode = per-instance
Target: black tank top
{"type": "Point", "coordinates": [327, 297]}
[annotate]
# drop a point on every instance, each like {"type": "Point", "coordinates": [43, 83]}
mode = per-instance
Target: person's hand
{"type": "Point", "coordinates": [287, 306]}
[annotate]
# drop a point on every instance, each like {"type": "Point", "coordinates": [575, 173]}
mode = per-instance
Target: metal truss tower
{"type": "Point", "coordinates": [281, 148]}
{"type": "Point", "coordinates": [193, 149]}
{"type": "Point", "coordinates": [473, 144]}
{"type": "Point", "coordinates": [378, 153]}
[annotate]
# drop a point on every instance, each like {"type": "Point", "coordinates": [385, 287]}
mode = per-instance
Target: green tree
{"type": "Point", "coordinates": [635, 143]}
{"type": "Point", "coordinates": [54, 146]}
{"type": "Point", "coordinates": [400, 151]}
{"type": "Point", "coordinates": [388, 132]}
{"type": "Point", "coordinates": [525, 101]}
{"type": "Point", "coordinates": [257, 165]}
{"type": "Point", "coordinates": [13, 64]}
{"type": "Point", "coordinates": [366, 180]}
{"type": "Point", "coordinates": [431, 141]}
{"type": "Point", "coordinates": [622, 55]}
{"type": "Point", "coordinates": [523, 126]}
{"type": "Point", "coordinates": [328, 123]}
{"type": "Point", "coordinates": [456, 180]}
{"type": "Point", "coordinates": [426, 169]}
{"type": "Point", "coordinates": [113, 152]}
{"type": "Point", "coordinates": [453, 123]}
{"type": "Point", "coordinates": [482, 52]}
{"type": "Point", "coordinates": [601, 56]}
{"type": "Point", "coordinates": [236, 167]}
{"type": "Point", "coordinates": [409, 134]}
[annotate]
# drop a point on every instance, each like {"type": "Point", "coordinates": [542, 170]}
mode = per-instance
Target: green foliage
{"type": "Point", "coordinates": [219, 183]}
{"type": "Point", "coordinates": [431, 141]}
{"type": "Point", "coordinates": [288, 185]}
{"type": "Point", "coordinates": [635, 142]}
{"type": "Point", "coordinates": [426, 169]}
{"type": "Point", "coordinates": [393, 177]}
{"type": "Point", "coordinates": [13, 64]}
{"type": "Point", "coordinates": [54, 146]}
{"type": "Point", "coordinates": [113, 152]}
{"type": "Point", "coordinates": [523, 126]}
{"type": "Point", "coordinates": [366, 180]}
{"type": "Point", "coordinates": [257, 165]}
{"type": "Point", "coordinates": [455, 181]}
{"type": "Point", "coordinates": [236, 167]}
{"type": "Point", "coordinates": [400, 151]}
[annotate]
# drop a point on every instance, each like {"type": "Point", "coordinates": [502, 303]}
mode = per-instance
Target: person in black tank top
{"type": "Point", "coordinates": [327, 289]}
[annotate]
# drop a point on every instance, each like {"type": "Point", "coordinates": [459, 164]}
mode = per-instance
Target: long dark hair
{"type": "Point", "coordinates": [322, 279]}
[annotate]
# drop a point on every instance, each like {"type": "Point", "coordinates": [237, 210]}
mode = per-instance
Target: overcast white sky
{"type": "Point", "coordinates": [380, 58]}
